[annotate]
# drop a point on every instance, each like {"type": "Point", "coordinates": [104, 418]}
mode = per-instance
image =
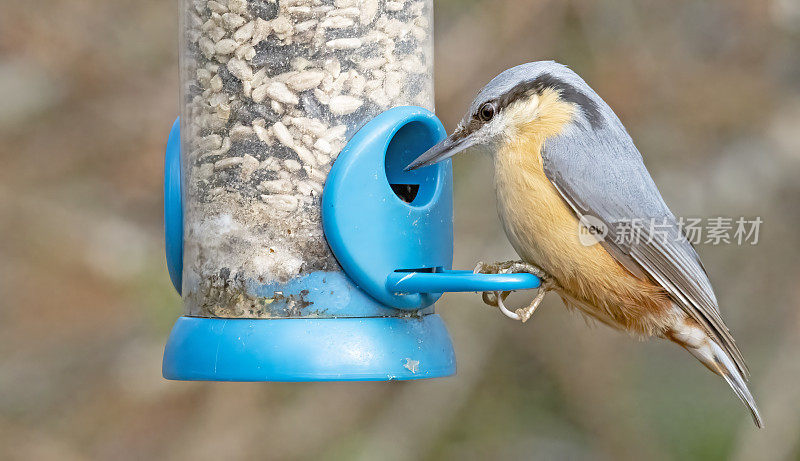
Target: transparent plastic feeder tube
{"type": "Point", "coordinates": [272, 91]}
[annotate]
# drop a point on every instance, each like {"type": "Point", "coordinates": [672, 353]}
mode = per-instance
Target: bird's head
{"type": "Point", "coordinates": [540, 98]}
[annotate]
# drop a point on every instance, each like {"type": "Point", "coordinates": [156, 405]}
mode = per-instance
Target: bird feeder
{"type": "Point", "coordinates": [302, 249]}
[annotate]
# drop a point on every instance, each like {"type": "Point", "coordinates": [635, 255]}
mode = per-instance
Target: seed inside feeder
{"type": "Point", "coordinates": [272, 92]}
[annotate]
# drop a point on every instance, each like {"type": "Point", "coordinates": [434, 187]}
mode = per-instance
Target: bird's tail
{"type": "Point", "coordinates": [692, 338]}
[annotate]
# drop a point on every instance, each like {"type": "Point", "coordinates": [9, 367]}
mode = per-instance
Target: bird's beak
{"type": "Point", "coordinates": [447, 148]}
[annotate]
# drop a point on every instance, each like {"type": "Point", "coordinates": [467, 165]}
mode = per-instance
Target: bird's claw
{"type": "Point", "coordinates": [525, 314]}
{"type": "Point", "coordinates": [496, 298]}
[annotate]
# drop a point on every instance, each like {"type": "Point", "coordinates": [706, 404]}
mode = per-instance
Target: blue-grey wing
{"type": "Point", "coordinates": [600, 173]}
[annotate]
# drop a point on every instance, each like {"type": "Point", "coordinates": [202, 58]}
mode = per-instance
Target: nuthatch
{"type": "Point", "coordinates": [563, 162]}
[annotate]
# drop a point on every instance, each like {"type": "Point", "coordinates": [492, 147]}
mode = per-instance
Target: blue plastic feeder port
{"type": "Point", "coordinates": [392, 233]}
{"type": "Point", "coordinates": [379, 219]}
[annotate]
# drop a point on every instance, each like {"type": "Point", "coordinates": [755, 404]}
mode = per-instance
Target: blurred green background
{"type": "Point", "coordinates": [710, 91]}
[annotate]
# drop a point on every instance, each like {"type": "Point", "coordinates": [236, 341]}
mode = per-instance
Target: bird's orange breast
{"type": "Point", "coordinates": [544, 231]}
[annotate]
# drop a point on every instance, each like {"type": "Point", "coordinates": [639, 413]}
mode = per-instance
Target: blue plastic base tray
{"type": "Point", "coordinates": [344, 349]}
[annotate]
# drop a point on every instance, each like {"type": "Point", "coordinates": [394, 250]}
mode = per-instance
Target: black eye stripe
{"type": "Point", "coordinates": [567, 92]}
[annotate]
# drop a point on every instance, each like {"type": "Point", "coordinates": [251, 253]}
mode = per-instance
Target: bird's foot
{"type": "Point", "coordinates": [496, 298]}
{"type": "Point", "coordinates": [510, 267]}
{"type": "Point", "coordinates": [521, 267]}
{"type": "Point", "coordinates": [493, 268]}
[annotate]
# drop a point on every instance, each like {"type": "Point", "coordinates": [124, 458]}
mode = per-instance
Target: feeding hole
{"type": "Point", "coordinates": [406, 192]}
{"type": "Point", "coordinates": [417, 187]}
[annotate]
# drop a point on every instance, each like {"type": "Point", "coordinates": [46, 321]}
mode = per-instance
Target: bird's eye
{"type": "Point", "coordinates": [486, 112]}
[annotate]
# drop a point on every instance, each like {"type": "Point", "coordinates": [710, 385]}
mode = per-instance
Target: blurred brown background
{"type": "Point", "coordinates": [710, 91]}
